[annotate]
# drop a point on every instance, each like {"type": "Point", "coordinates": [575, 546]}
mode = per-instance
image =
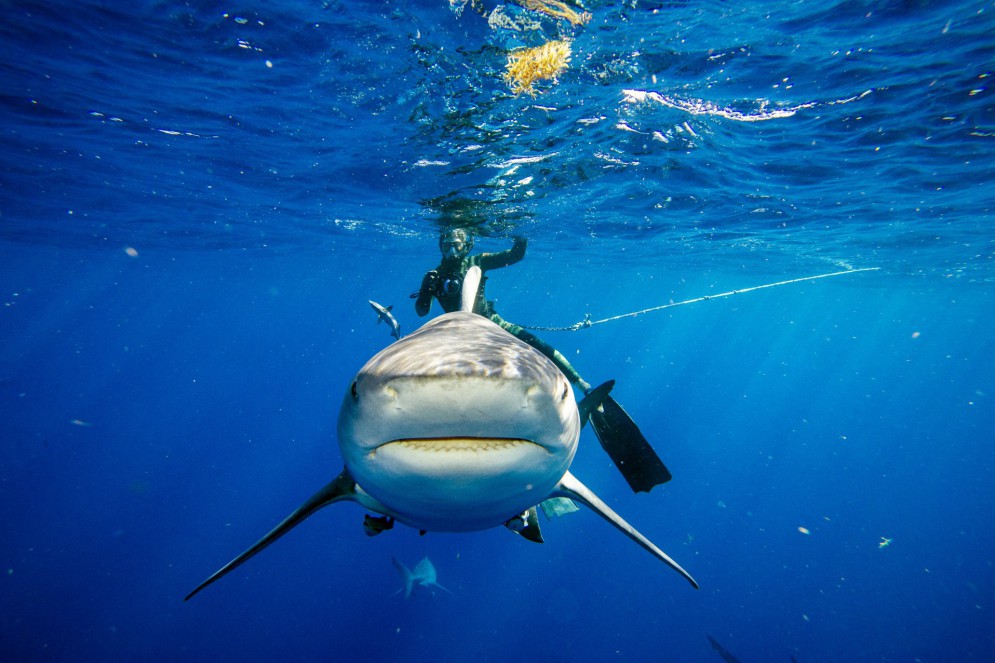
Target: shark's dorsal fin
{"type": "Point", "coordinates": [342, 487]}
{"type": "Point", "coordinates": [471, 283]}
{"type": "Point", "coordinates": [570, 487]}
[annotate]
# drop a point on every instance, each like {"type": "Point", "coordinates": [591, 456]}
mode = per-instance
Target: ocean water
{"type": "Point", "coordinates": [197, 199]}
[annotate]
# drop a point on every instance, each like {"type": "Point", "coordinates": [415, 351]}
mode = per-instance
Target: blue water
{"type": "Point", "coordinates": [198, 199]}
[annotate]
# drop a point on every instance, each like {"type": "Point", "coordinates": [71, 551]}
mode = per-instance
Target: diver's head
{"type": "Point", "coordinates": [455, 243]}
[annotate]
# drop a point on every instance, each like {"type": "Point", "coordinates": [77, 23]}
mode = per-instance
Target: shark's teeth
{"type": "Point", "coordinates": [461, 444]}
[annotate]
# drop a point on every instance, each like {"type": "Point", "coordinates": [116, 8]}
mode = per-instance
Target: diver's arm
{"type": "Point", "coordinates": [504, 258]}
{"type": "Point", "coordinates": [428, 284]}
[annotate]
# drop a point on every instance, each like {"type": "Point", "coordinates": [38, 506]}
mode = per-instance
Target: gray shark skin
{"type": "Point", "coordinates": [384, 315]}
{"type": "Point", "coordinates": [458, 426]}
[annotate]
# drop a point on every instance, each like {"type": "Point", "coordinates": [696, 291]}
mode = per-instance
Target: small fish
{"type": "Point", "coordinates": [384, 315]}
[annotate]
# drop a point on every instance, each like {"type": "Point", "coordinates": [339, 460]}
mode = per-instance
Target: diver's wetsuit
{"type": "Point", "coordinates": [447, 285]}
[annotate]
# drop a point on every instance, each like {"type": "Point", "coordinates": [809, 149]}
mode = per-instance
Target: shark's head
{"type": "Point", "coordinates": [458, 426]}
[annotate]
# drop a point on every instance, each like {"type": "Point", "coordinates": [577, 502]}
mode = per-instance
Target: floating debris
{"type": "Point", "coordinates": [528, 65]}
{"type": "Point", "coordinates": [556, 9]}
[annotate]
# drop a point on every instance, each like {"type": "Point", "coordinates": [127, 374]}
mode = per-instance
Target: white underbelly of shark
{"type": "Point", "coordinates": [458, 484]}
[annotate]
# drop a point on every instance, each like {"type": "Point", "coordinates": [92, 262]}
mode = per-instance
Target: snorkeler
{"type": "Point", "coordinates": [445, 283]}
{"type": "Point", "coordinates": [616, 431]}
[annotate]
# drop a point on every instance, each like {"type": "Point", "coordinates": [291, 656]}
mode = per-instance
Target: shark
{"type": "Point", "coordinates": [384, 315]}
{"type": "Point", "coordinates": [458, 427]}
{"type": "Point", "coordinates": [424, 575]}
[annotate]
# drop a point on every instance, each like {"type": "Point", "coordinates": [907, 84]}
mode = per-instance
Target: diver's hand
{"type": "Point", "coordinates": [424, 295]}
{"type": "Point", "coordinates": [430, 282]}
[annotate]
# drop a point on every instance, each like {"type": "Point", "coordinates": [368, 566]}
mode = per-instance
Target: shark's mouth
{"type": "Point", "coordinates": [439, 464]}
{"type": "Point", "coordinates": [477, 445]}
{"type": "Point", "coordinates": [460, 482]}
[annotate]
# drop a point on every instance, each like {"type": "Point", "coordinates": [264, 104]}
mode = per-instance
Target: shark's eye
{"type": "Point", "coordinates": [566, 392]}
{"type": "Point", "coordinates": [352, 390]}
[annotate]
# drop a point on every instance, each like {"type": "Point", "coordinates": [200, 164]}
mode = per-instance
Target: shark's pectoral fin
{"type": "Point", "coordinates": [526, 525]}
{"type": "Point", "coordinates": [570, 487]}
{"type": "Point", "coordinates": [343, 487]}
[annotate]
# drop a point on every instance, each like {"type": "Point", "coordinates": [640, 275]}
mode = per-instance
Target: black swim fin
{"type": "Point", "coordinates": [628, 448]}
